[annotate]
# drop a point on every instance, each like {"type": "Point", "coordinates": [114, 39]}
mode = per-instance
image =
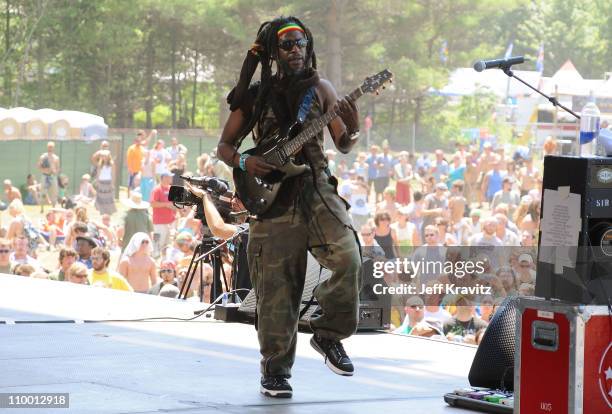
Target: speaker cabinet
{"type": "Point", "coordinates": [374, 310]}
{"type": "Point", "coordinates": [493, 365]}
{"type": "Point", "coordinates": [587, 276]}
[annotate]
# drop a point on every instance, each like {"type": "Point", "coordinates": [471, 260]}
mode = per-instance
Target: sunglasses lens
{"type": "Point", "coordinates": [288, 44]}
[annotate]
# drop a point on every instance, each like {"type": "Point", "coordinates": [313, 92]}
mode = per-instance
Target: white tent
{"type": "Point", "coordinates": [604, 90]}
{"type": "Point", "coordinates": [91, 126]}
{"type": "Point", "coordinates": [25, 123]}
{"type": "Point", "coordinates": [569, 82]}
{"type": "Point", "coordinates": [465, 81]}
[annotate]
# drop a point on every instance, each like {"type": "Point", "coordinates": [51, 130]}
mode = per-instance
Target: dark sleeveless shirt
{"type": "Point", "coordinates": [276, 118]}
{"type": "Point", "coordinates": [386, 243]}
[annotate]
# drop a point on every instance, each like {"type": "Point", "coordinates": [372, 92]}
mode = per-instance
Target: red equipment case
{"type": "Point", "coordinates": [563, 360]}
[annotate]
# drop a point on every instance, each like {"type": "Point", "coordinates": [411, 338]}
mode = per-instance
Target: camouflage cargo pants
{"type": "Point", "coordinates": [277, 253]}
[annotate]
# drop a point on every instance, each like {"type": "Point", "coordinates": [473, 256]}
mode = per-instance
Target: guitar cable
{"type": "Point", "coordinates": [197, 314]}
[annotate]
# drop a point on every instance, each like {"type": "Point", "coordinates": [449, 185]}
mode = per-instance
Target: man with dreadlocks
{"type": "Point", "coordinates": [308, 214]}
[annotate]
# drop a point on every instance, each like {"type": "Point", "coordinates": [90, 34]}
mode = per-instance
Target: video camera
{"type": "Point", "coordinates": [216, 187]}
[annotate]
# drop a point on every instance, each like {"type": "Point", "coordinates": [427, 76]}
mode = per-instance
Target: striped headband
{"type": "Point", "coordinates": [288, 28]}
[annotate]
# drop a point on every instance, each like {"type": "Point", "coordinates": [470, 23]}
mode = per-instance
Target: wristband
{"type": "Point", "coordinates": [242, 162]}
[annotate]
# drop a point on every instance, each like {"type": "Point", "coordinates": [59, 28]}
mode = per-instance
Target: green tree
{"type": "Point", "coordinates": [133, 61]}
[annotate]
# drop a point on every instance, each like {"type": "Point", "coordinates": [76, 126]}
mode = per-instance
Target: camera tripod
{"type": "Point", "coordinates": [209, 251]}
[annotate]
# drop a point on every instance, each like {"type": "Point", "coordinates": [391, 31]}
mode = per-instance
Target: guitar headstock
{"type": "Point", "coordinates": [375, 82]}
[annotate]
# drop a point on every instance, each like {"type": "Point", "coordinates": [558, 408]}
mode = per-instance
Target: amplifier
{"type": "Point", "coordinates": [370, 317]}
{"type": "Point", "coordinates": [575, 243]}
{"type": "Point", "coordinates": [374, 310]}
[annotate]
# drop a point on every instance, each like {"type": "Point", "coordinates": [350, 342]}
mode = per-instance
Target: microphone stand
{"type": "Point", "coordinates": [551, 99]}
{"type": "Point", "coordinates": [555, 102]}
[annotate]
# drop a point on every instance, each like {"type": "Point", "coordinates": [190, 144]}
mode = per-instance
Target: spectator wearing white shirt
{"type": "Point", "coordinates": [176, 149]}
{"type": "Point", "coordinates": [507, 237]}
{"type": "Point", "coordinates": [161, 157]}
{"type": "Point", "coordinates": [506, 195]}
{"type": "Point", "coordinates": [526, 269]}
{"type": "Point", "coordinates": [441, 168]}
{"type": "Point", "coordinates": [488, 243]}
{"type": "Point", "coordinates": [355, 192]}
{"type": "Point", "coordinates": [20, 253]}
{"type": "Point", "coordinates": [407, 233]}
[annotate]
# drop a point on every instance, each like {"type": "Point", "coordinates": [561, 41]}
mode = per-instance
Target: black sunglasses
{"type": "Point", "coordinates": [288, 45]}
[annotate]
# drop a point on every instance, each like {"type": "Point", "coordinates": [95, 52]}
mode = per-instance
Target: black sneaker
{"type": "Point", "coordinates": [335, 356]}
{"type": "Point", "coordinates": [276, 387]}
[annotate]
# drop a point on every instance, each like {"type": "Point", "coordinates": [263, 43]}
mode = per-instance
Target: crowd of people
{"type": "Point", "coordinates": [475, 203]}
{"type": "Point", "coordinates": [141, 243]}
{"type": "Point", "coordinates": [402, 205]}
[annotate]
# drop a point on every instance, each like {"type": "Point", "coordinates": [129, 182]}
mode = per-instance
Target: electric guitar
{"type": "Point", "coordinates": [258, 193]}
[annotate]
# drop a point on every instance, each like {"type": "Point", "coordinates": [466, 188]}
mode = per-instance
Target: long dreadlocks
{"type": "Point", "coordinates": [264, 51]}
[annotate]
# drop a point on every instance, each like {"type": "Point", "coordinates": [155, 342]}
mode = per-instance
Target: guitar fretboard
{"type": "Point", "coordinates": [315, 127]}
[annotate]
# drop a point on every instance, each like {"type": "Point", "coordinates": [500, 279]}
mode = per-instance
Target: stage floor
{"type": "Point", "coordinates": [202, 366]}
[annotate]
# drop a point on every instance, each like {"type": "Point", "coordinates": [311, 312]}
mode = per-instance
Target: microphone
{"type": "Point", "coordinates": [498, 63]}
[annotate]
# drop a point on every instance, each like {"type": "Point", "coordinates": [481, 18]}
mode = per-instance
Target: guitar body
{"type": "Point", "coordinates": [258, 194]}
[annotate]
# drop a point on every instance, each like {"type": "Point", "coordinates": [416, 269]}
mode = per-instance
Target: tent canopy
{"type": "Point", "coordinates": [51, 124]}
{"type": "Point", "coordinates": [567, 80]}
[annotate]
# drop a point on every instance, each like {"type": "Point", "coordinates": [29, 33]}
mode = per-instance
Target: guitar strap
{"type": "Point", "coordinates": [306, 105]}
{"type": "Point", "coordinates": [303, 110]}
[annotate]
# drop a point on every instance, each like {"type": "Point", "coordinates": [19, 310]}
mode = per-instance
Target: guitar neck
{"type": "Point", "coordinates": [315, 127]}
